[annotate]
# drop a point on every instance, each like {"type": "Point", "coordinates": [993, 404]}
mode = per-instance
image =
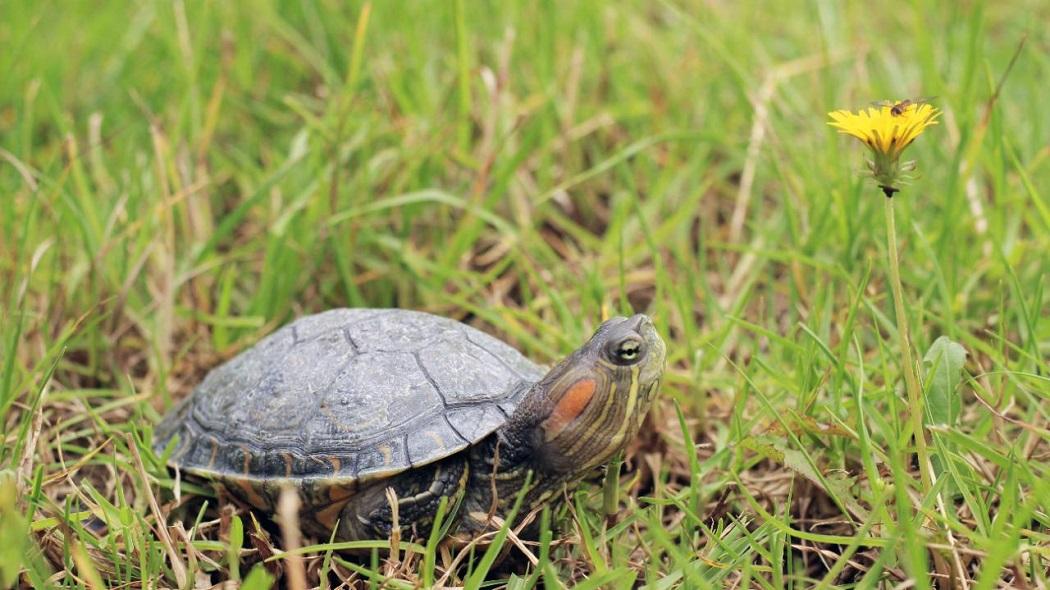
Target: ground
{"type": "Point", "coordinates": [180, 178]}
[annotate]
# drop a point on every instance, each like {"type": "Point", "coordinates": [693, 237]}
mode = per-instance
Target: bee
{"type": "Point", "coordinates": [898, 108]}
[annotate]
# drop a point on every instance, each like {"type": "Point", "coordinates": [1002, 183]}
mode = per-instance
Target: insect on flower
{"type": "Point", "coordinates": [898, 108]}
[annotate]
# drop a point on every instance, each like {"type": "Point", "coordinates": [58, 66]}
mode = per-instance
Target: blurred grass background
{"type": "Point", "coordinates": [179, 178]}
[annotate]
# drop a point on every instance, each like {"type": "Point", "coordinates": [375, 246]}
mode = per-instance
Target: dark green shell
{"type": "Point", "coordinates": [348, 395]}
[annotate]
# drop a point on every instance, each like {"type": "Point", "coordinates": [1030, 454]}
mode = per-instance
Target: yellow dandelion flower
{"type": "Point", "coordinates": [886, 130]}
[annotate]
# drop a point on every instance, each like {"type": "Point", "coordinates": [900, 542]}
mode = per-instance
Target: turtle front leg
{"type": "Point", "coordinates": [418, 493]}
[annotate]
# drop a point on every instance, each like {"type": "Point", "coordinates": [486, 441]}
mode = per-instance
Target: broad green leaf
{"type": "Point", "coordinates": [943, 365]}
{"type": "Point", "coordinates": [12, 531]}
{"type": "Point", "coordinates": [258, 579]}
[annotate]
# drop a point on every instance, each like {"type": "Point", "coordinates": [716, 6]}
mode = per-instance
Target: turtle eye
{"type": "Point", "coordinates": [626, 351]}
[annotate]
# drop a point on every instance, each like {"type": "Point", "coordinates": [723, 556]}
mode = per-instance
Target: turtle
{"type": "Point", "coordinates": [347, 405]}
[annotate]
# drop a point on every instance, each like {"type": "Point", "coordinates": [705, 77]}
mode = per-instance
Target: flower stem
{"type": "Point", "coordinates": [911, 377]}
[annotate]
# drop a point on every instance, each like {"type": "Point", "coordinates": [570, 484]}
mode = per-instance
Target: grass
{"type": "Point", "coordinates": [180, 178]}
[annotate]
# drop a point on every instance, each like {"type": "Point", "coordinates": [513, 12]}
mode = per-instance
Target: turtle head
{"type": "Point", "coordinates": [588, 407]}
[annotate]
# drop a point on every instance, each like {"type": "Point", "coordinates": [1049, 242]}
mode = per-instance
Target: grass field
{"type": "Point", "coordinates": [177, 179]}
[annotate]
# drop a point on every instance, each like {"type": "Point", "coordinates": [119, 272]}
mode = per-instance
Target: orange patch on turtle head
{"type": "Point", "coordinates": [569, 407]}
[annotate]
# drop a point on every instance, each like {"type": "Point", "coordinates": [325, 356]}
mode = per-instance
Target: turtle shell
{"type": "Point", "coordinates": [348, 395]}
